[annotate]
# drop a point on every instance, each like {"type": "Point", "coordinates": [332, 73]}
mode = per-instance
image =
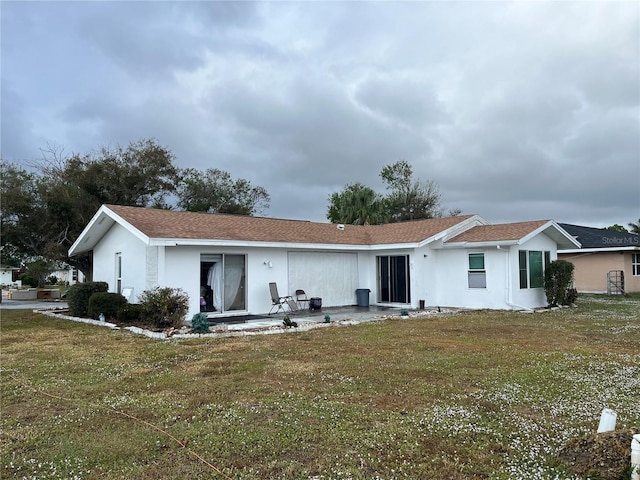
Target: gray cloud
{"type": "Point", "coordinates": [518, 110]}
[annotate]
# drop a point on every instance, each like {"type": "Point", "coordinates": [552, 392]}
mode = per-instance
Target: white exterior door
{"type": "Point", "coordinates": [330, 276]}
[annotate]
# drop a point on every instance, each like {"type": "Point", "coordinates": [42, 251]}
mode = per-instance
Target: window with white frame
{"type": "Point", "coordinates": [635, 264]}
{"type": "Point", "coordinates": [118, 272]}
{"type": "Point", "coordinates": [532, 264]}
{"type": "Point", "coordinates": [477, 272]}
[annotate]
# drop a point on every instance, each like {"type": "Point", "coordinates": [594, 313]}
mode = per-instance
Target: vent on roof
{"type": "Point", "coordinates": [340, 226]}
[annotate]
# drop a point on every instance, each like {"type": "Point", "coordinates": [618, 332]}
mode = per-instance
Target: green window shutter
{"type": "Point", "coordinates": [536, 272]}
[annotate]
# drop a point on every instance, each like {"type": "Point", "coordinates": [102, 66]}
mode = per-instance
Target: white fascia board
{"type": "Point", "coordinates": [596, 250]}
{"type": "Point", "coordinates": [394, 246]}
{"type": "Point", "coordinates": [130, 228]}
{"type": "Point", "coordinates": [99, 224]}
{"type": "Point", "coordinates": [559, 236]}
{"type": "Point", "coordinates": [83, 237]}
{"type": "Point", "coordinates": [491, 244]}
{"type": "Point", "coordinates": [457, 229]}
{"type": "Point", "coordinates": [97, 227]}
{"type": "Point", "coordinates": [174, 242]}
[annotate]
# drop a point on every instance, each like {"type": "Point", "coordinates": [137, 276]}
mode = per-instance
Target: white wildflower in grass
{"type": "Point", "coordinates": [492, 395]}
{"type": "Point", "coordinates": [62, 469]}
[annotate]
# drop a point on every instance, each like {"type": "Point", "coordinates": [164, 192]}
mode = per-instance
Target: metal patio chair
{"type": "Point", "coordinates": [279, 302]}
{"type": "Point", "coordinates": [302, 299]}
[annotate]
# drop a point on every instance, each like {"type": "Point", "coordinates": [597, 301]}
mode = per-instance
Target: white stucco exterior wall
{"type": "Point", "coordinates": [452, 279]}
{"type": "Point", "coordinates": [133, 252]}
{"type": "Point", "coordinates": [423, 287]}
{"type": "Point", "coordinates": [530, 297]}
{"type": "Point", "coordinates": [438, 275]}
{"type": "Point", "coordinates": [182, 270]}
{"type": "Point", "coordinates": [502, 275]}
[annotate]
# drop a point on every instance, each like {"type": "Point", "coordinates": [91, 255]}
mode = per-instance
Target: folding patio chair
{"type": "Point", "coordinates": [302, 299]}
{"type": "Point", "coordinates": [279, 302]}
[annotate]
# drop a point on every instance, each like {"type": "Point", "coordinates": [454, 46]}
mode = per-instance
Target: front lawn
{"type": "Point", "coordinates": [474, 395]}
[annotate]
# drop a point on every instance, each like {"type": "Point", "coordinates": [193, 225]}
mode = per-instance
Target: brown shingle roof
{"type": "Point", "coordinates": [169, 224]}
{"type": "Point", "coordinates": [493, 233]}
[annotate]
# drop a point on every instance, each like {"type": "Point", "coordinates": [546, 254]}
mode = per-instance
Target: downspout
{"type": "Point", "coordinates": [508, 295]}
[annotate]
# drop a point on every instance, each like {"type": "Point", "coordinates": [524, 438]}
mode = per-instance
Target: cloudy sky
{"type": "Point", "coordinates": [518, 110]}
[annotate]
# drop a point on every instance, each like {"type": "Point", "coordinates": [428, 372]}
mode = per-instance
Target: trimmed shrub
{"type": "Point", "coordinates": [78, 296]}
{"type": "Point", "coordinates": [164, 306]}
{"type": "Point", "coordinates": [106, 303]}
{"type": "Point", "coordinates": [129, 313]}
{"type": "Point", "coordinates": [558, 277]}
{"type": "Point", "coordinates": [200, 323]}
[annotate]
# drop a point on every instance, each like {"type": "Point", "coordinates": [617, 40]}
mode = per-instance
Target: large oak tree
{"type": "Point", "coordinates": [43, 211]}
{"type": "Point", "coordinates": [215, 191]}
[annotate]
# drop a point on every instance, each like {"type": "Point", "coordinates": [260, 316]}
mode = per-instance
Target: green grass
{"type": "Point", "coordinates": [491, 395]}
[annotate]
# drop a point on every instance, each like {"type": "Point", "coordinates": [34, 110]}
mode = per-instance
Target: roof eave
{"type": "Point", "coordinates": [492, 243]}
{"type": "Point", "coordinates": [97, 227]}
{"type": "Point", "coordinates": [555, 232]}
{"type": "Point", "coordinates": [182, 242]}
{"type": "Point", "coordinates": [598, 249]}
{"type": "Point", "coordinates": [454, 230]}
{"type": "Point", "coordinates": [99, 223]}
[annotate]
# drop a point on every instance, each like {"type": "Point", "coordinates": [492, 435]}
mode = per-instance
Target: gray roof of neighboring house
{"type": "Point", "coordinates": [590, 237]}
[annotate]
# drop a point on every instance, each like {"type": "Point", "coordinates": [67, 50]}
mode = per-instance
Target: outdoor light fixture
{"type": "Point", "coordinates": [268, 263]}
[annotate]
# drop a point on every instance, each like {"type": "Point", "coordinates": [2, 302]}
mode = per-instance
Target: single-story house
{"type": "Point", "coordinates": [608, 261]}
{"type": "Point", "coordinates": [226, 262]}
{"type": "Point", "coordinates": [9, 276]}
{"type": "Point", "coordinates": [68, 275]}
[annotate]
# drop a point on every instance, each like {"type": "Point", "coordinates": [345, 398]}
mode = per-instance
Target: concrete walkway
{"type": "Point", "coordinates": [32, 304]}
{"type": "Point", "coordinates": [306, 319]}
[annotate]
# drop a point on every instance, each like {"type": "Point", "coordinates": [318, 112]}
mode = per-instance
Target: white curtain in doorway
{"type": "Point", "coordinates": [214, 280]}
{"type": "Point", "coordinates": [233, 271]}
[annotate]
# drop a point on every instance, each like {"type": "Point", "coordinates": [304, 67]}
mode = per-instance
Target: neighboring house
{"type": "Point", "coordinates": [9, 276]}
{"type": "Point", "coordinates": [608, 261]}
{"type": "Point", "coordinates": [68, 275]}
{"type": "Point", "coordinates": [225, 262]}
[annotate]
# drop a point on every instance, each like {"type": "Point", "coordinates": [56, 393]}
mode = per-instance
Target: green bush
{"type": "Point", "coordinates": [28, 280]}
{"type": "Point", "coordinates": [106, 303]}
{"type": "Point", "coordinates": [164, 306]}
{"type": "Point", "coordinates": [129, 313]}
{"type": "Point", "coordinates": [200, 323]}
{"type": "Point", "coordinates": [558, 278]}
{"type": "Point", "coordinates": [79, 294]}
{"type": "Point", "coordinates": [572, 296]}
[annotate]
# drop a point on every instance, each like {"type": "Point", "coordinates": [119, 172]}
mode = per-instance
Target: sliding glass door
{"type": "Point", "coordinates": [222, 282]}
{"type": "Point", "coordinates": [394, 284]}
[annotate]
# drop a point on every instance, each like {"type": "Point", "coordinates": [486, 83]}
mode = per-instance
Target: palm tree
{"type": "Point", "coordinates": [357, 205]}
{"type": "Point", "coordinates": [635, 227]}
